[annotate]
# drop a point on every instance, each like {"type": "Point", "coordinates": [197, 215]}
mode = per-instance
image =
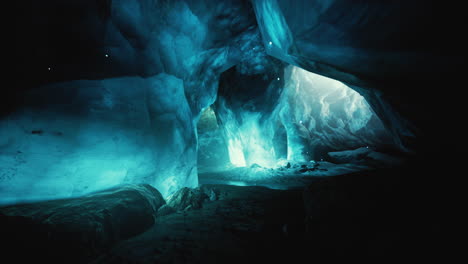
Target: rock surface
{"type": "Point", "coordinates": [366, 156]}
{"type": "Point", "coordinates": [245, 224]}
{"type": "Point", "coordinates": [358, 216]}
{"type": "Point", "coordinates": [74, 230]}
{"type": "Point", "coordinates": [187, 199]}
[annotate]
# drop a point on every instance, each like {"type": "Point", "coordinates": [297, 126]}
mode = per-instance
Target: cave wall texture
{"type": "Point", "coordinates": [109, 91]}
{"type": "Point", "coordinates": [397, 54]}
{"type": "Point", "coordinates": [298, 116]}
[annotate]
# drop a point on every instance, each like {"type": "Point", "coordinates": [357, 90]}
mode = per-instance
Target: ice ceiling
{"type": "Point", "coordinates": [111, 92]}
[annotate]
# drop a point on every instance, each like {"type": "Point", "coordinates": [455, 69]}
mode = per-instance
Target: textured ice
{"type": "Point", "coordinates": [336, 38]}
{"type": "Point", "coordinates": [212, 151]}
{"type": "Point", "coordinates": [313, 115]}
{"type": "Point", "coordinates": [366, 156]}
{"type": "Point", "coordinates": [279, 177]}
{"type": "Point", "coordinates": [73, 135]}
{"type": "Point", "coordinates": [90, 128]}
{"type": "Point", "coordinates": [328, 113]}
{"type": "Point", "coordinates": [276, 34]}
{"type": "Point", "coordinates": [81, 136]}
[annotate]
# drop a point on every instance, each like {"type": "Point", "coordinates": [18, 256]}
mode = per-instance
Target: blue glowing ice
{"type": "Point", "coordinates": [84, 136]}
{"type": "Point", "coordinates": [80, 136]}
{"type": "Point", "coordinates": [316, 112]}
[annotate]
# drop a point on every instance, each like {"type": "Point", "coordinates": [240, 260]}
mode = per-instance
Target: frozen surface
{"type": "Point", "coordinates": [79, 127]}
{"type": "Point", "coordinates": [324, 113]}
{"type": "Point", "coordinates": [348, 41]}
{"type": "Point", "coordinates": [312, 116]}
{"type": "Point", "coordinates": [292, 176]}
{"type": "Point", "coordinates": [81, 136]}
{"type": "Point", "coordinates": [212, 151]}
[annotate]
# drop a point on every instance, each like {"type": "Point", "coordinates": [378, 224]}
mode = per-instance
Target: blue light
{"type": "Point", "coordinates": [324, 111]}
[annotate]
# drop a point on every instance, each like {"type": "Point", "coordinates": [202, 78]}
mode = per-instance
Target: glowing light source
{"type": "Point", "coordinates": [324, 111]}
{"type": "Point", "coordinates": [249, 143]}
{"type": "Point", "coordinates": [236, 153]}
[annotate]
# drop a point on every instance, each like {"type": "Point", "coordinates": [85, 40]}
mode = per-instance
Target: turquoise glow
{"type": "Point", "coordinates": [314, 110]}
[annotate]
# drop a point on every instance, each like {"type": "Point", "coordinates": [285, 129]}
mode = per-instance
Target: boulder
{"type": "Point", "coordinates": [80, 227]}
{"type": "Point", "coordinates": [365, 156]}
{"type": "Point", "coordinates": [165, 210]}
{"type": "Point", "coordinates": [186, 199]}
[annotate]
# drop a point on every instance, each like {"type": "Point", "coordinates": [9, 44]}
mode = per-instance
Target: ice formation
{"type": "Point", "coordinates": [313, 115]}
{"type": "Point", "coordinates": [120, 97]}
{"type": "Point", "coordinates": [116, 95]}
{"type": "Point", "coordinates": [83, 136]}
{"type": "Point", "coordinates": [333, 44]}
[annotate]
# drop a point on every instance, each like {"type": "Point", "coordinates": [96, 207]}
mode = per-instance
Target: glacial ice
{"type": "Point", "coordinates": [317, 114]}
{"type": "Point", "coordinates": [85, 127]}
{"type": "Point", "coordinates": [82, 136]}
{"type": "Point", "coordinates": [316, 37]}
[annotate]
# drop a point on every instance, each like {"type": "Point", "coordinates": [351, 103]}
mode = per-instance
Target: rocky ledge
{"type": "Point", "coordinates": [76, 229]}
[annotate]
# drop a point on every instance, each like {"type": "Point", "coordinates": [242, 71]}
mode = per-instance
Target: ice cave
{"type": "Point", "coordinates": [227, 131]}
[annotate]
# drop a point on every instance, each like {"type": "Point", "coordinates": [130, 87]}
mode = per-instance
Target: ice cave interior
{"type": "Point", "coordinates": [170, 96]}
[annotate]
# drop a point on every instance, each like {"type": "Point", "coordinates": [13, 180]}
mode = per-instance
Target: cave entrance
{"type": "Point", "coordinates": [298, 116]}
{"type": "Point", "coordinates": [212, 148]}
{"type": "Point", "coordinates": [291, 123]}
{"type": "Point", "coordinates": [280, 142]}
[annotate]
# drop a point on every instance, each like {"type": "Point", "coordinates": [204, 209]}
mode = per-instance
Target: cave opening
{"type": "Point", "coordinates": [289, 125]}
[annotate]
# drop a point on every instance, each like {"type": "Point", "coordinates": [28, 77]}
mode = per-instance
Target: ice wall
{"type": "Point", "coordinates": [370, 45]}
{"type": "Point", "coordinates": [247, 95]}
{"type": "Point", "coordinates": [312, 116]}
{"type": "Point", "coordinates": [111, 91]}
{"type": "Point", "coordinates": [321, 115]}
{"type": "Point", "coordinates": [81, 136]}
{"type": "Point", "coordinates": [212, 152]}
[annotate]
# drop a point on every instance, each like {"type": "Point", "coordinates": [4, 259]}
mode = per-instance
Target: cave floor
{"type": "Point", "coordinates": [368, 216]}
{"type": "Point", "coordinates": [244, 224]}
{"type": "Point", "coordinates": [297, 176]}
